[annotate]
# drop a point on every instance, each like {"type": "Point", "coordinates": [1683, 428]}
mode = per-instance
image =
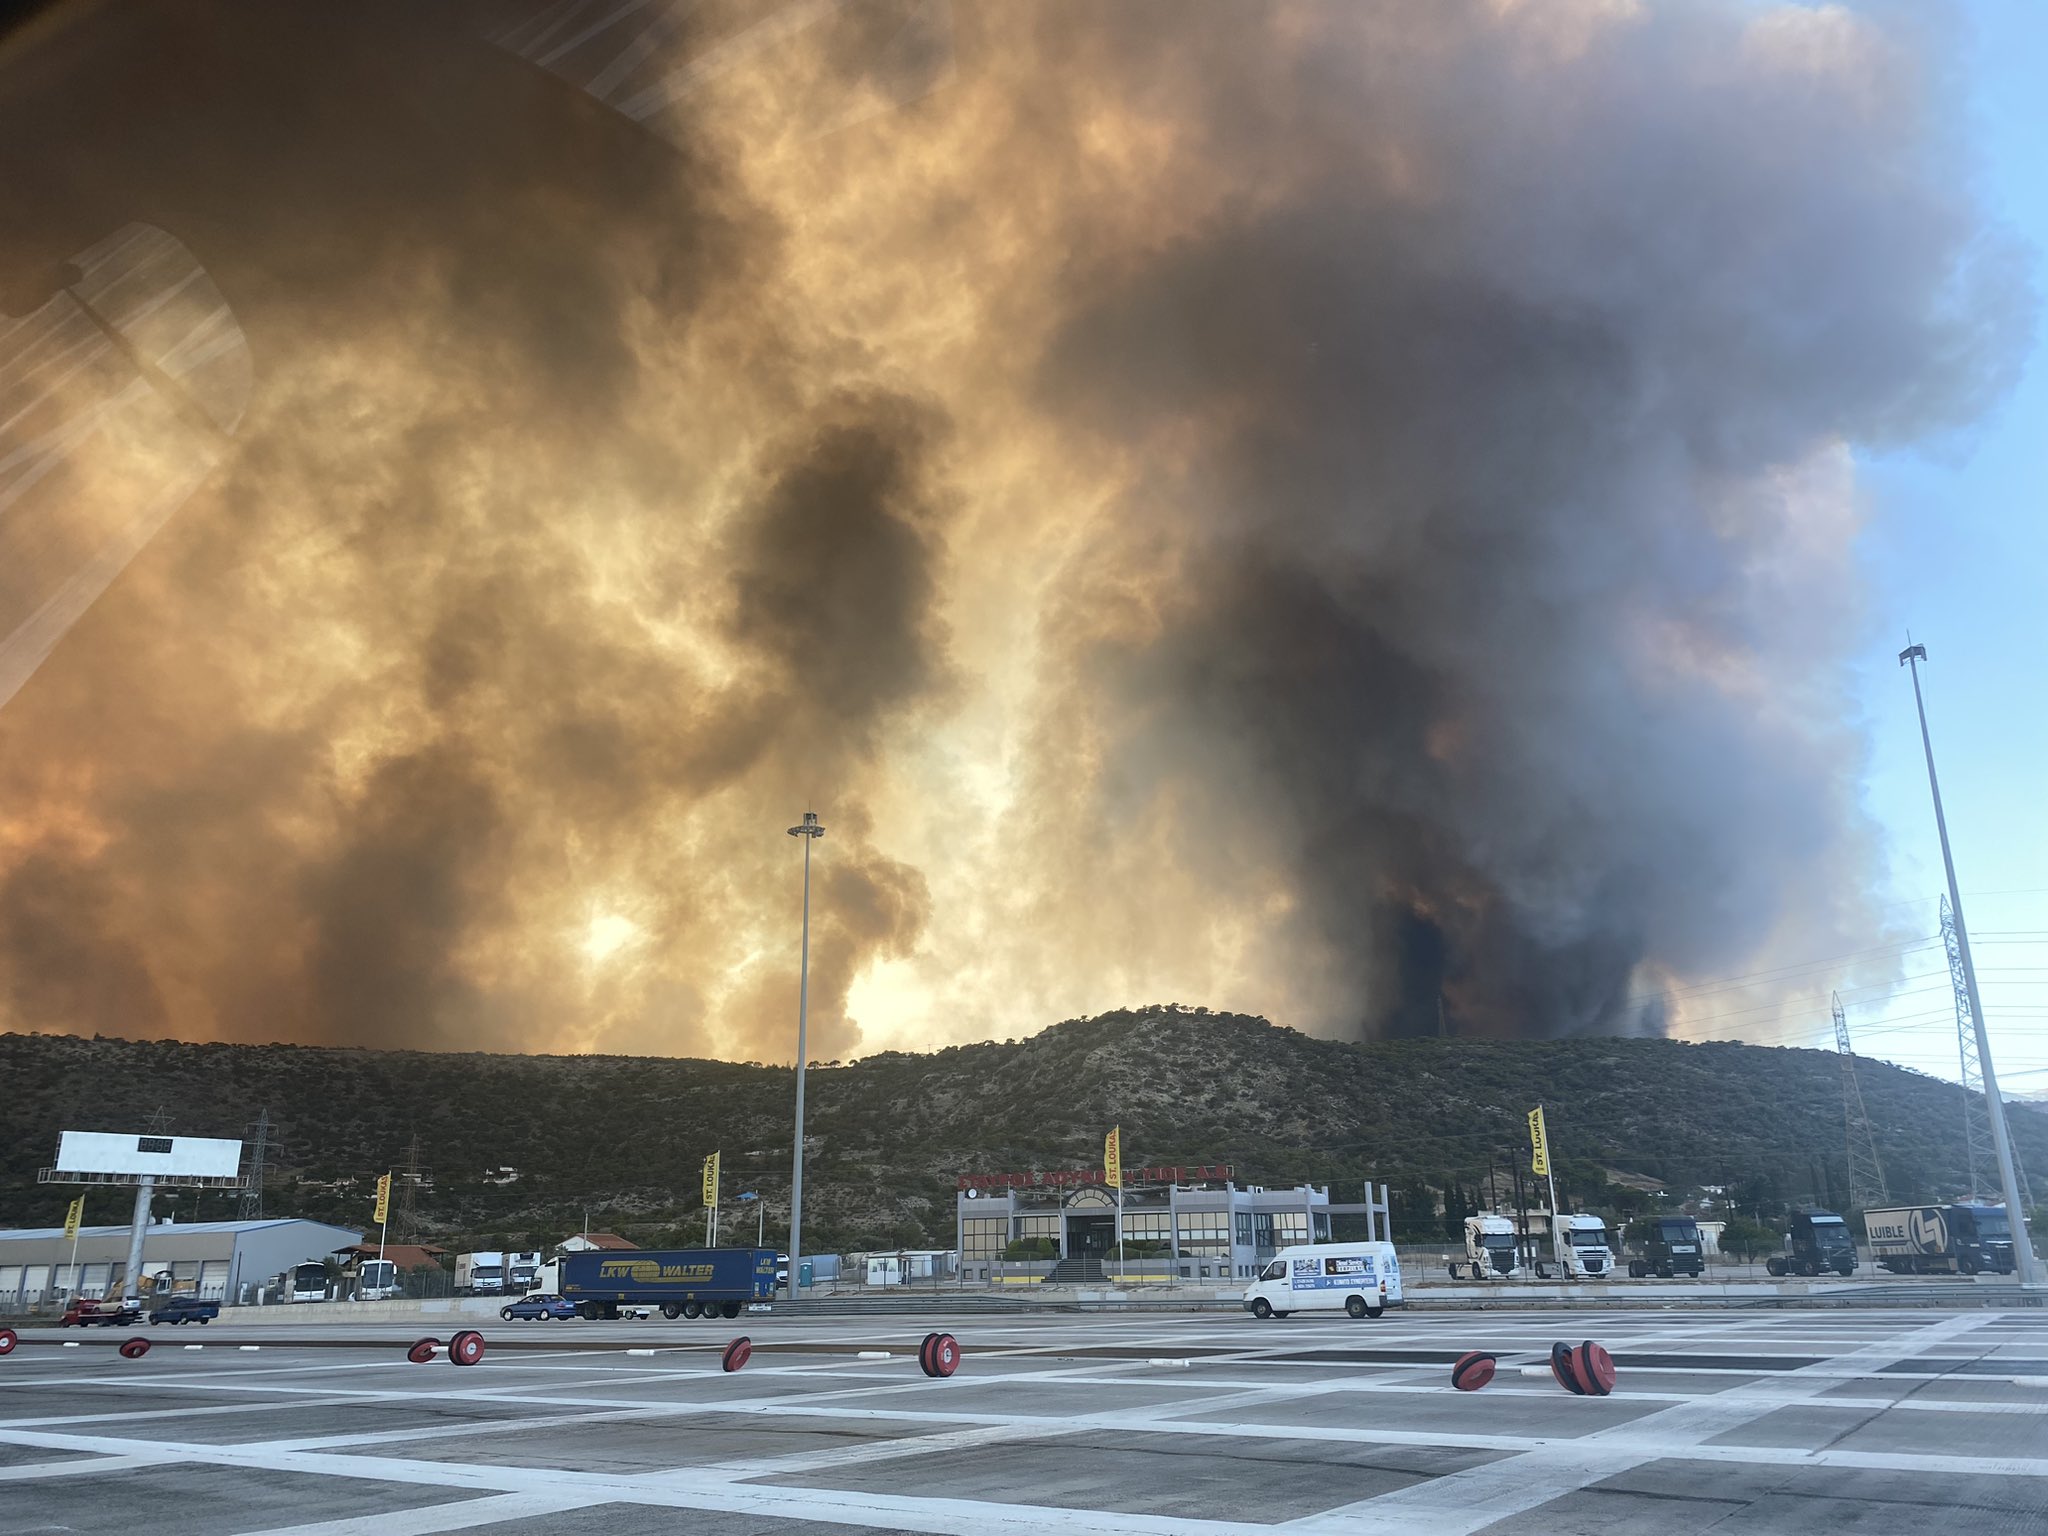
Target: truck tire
{"type": "Point", "coordinates": [1375, 1312]}
{"type": "Point", "coordinates": [1774, 1266]}
{"type": "Point", "coordinates": [1968, 1265]}
{"type": "Point", "coordinates": [671, 1310]}
{"type": "Point", "coordinates": [1354, 1306]}
{"type": "Point", "coordinates": [692, 1310]}
{"type": "Point", "coordinates": [1261, 1308]}
{"type": "Point", "coordinates": [730, 1310]}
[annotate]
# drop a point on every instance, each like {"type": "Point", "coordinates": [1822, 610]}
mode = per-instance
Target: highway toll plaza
{"type": "Point", "coordinates": [1619, 1418]}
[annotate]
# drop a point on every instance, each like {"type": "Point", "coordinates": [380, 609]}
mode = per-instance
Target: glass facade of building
{"type": "Point", "coordinates": [984, 1237]}
{"type": "Point", "coordinates": [1212, 1232]}
{"type": "Point", "coordinates": [1147, 1227]}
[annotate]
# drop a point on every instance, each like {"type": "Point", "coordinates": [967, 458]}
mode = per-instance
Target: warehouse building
{"type": "Point", "coordinates": [1199, 1220]}
{"type": "Point", "coordinates": [221, 1260]}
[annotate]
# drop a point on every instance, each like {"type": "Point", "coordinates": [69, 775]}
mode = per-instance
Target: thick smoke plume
{"type": "Point", "coordinates": [1340, 510]}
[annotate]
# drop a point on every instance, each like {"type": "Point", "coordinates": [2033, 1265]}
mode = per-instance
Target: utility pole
{"type": "Point", "coordinates": [2026, 1270]}
{"type": "Point", "coordinates": [809, 830]}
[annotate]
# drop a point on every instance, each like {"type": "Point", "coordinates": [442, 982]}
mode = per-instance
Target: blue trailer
{"type": "Point", "coordinates": [682, 1282]}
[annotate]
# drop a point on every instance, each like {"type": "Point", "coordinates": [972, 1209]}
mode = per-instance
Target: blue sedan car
{"type": "Point", "coordinates": [537, 1308]}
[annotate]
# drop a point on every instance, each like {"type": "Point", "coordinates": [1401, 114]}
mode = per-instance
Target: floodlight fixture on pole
{"type": "Point", "coordinates": [809, 830]}
{"type": "Point", "coordinates": [2024, 1267]}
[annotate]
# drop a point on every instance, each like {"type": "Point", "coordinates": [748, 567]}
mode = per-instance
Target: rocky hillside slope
{"type": "Point", "coordinates": [624, 1137]}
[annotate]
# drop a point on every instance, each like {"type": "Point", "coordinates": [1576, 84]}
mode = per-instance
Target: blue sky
{"type": "Point", "coordinates": [1956, 549]}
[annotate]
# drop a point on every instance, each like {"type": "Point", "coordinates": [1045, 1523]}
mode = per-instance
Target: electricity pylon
{"type": "Point", "coordinates": [1866, 1174]}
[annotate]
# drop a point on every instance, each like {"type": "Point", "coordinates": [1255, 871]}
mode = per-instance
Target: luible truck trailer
{"type": "Point", "coordinates": [1940, 1239]}
{"type": "Point", "coordinates": [1362, 1278]}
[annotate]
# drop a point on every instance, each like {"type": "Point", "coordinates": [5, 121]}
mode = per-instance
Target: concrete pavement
{"type": "Point", "coordinates": [1757, 1421]}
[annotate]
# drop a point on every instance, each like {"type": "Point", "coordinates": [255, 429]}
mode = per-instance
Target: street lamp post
{"type": "Point", "coordinates": [760, 1214]}
{"type": "Point", "coordinates": [810, 832]}
{"type": "Point", "coordinates": [2025, 1269]}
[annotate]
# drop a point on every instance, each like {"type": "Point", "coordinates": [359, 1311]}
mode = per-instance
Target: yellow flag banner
{"type": "Point", "coordinates": [74, 1216]}
{"type": "Point", "coordinates": [383, 1212]}
{"type": "Point", "coordinates": [1539, 1142]}
{"type": "Point", "coordinates": [1113, 1158]}
{"type": "Point", "coordinates": [711, 1179]}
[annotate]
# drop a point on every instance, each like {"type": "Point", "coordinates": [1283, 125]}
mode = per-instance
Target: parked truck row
{"type": "Point", "coordinates": [1960, 1238]}
{"type": "Point", "coordinates": [1580, 1249]}
{"type": "Point", "coordinates": [495, 1274]}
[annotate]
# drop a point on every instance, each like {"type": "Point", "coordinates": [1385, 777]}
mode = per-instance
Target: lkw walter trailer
{"type": "Point", "coordinates": [682, 1282]}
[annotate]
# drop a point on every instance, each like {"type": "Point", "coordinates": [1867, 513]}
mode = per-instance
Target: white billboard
{"type": "Point", "coordinates": [201, 1157]}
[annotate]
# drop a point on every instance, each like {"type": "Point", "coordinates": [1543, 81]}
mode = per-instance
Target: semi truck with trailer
{"type": "Point", "coordinates": [680, 1282]}
{"type": "Point", "coordinates": [479, 1274]}
{"type": "Point", "coordinates": [1363, 1279]}
{"type": "Point", "coordinates": [1818, 1242]}
{"type": "Point", "coordinates": [520, 1268]}
{"type": "Point", "coordinates": [1958, 1239]}
{"type": "Point", "coordinates": [1491, 1251]}
{"type": "Point", "coordinates": [1582, 1250]}
{"type": "Point", "coordinates": [1666, 1246]}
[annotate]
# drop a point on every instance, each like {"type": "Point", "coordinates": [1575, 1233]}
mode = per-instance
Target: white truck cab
{"type": "Point", "coordinates": [1491, 1251]}
{"type": "Point", "coordinates": [1362, 1278]}
{"type": "Point", "coordinates": [1583, 1251]}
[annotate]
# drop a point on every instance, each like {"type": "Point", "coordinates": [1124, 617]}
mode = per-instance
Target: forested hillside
{"type": "Point", "coordinates": [624, 1137]}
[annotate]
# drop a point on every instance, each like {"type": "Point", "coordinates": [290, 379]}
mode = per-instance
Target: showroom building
{"type": "Point", "coordinates": [1198, 1219]}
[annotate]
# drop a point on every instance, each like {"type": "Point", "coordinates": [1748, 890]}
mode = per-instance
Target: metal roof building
{"type": "Point", "coordinates": [218, 1259]}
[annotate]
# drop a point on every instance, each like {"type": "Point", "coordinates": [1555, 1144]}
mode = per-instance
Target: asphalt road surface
{"type": "Point", "coordinates": [1752, 1422]}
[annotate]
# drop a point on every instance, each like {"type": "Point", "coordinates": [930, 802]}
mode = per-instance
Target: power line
{"type": "Point", "coordinates": [1714, 984]}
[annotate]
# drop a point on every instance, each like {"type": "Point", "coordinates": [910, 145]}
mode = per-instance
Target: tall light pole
{"type": "Point", "coordinates": [810, 832]}
{"type": "Point", "coordinates": [2027, 1272]}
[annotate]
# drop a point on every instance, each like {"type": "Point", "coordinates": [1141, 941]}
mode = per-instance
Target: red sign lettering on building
{"type": "Point", "coordinates": [1060, 1178]}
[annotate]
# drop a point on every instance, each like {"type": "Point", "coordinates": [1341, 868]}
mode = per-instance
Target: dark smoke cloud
{"type": "Point", "coordinates": [1339, 510]}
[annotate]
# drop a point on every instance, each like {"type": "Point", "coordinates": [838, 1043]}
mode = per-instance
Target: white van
{"type": "Point", "coordinates": [1362, 1278]}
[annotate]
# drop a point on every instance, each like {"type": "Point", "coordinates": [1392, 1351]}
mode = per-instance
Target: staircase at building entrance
{"type": "Point", "coordinates": [1077, 1269]}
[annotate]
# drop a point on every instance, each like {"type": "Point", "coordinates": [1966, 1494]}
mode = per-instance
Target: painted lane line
{"type": "Point", "coordinates": [36, 1471]}
{"type": "Point", "coordinates": [456, 1515]}
{"type": "Point", "coordinates": [1461, 1503]}
{"type": "Point", "coordinates": [690, 1489]}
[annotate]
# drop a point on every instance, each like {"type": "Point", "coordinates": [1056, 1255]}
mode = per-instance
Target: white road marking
{"type": "Point", "coordinates": [1231, 1378]}
{"type": "Point", "coordinates": [458, 1515]}
{"type": "Point", "coordinates": [1465, 1502]}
